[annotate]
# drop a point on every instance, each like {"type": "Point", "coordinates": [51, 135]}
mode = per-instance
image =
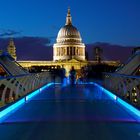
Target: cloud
{"type": "Point", "coordinates": [30, 48]}
{"type": "Point", "coordinates": [39, 48]}
{"type": "Point", "coordinates": [110, 51]}
{"type": "Point", "coordinates": [9, 33]}
{"type": "Point", "coordinates": [33, 48]}
{"type": "Point", "coordinates": [29, 40]}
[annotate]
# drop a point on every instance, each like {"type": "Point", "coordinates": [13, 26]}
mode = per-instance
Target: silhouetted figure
{"type": "Point", "coordinates": [62, 74]}
{"type": "Point", "coordinates": [84, 73]}
{"type": "Point", "coordinates": [72, 75]}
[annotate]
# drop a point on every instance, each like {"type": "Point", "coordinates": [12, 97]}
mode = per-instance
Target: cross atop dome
{"type": "Point", "coordinates": [68, 18]}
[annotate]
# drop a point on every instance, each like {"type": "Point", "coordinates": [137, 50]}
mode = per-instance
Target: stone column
{"type": "Point", "coordinates": [69, 50]}
{"type": "Point", "coordinates": [72, 51]}
{"type": "Point", "coordinates": [80, 51]}
{"type": "Point", "coordinates": [59, 51]}
{"type": "Point", "coordinates": [56, 51]}
{"type": "Point", "coordinates": [65, 51]}
{"type": "Point", "coordinates": [83, 51]}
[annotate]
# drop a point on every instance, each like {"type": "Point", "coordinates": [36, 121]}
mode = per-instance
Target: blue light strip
{"type": "Point", "coordinates": [28, 97]}
{"type": "Point", "coordinates": [44, 87]}
{"type": "Point", "coordinates": [7, 111]}
{"type": "Point", "coordinates": [114, 97]}
{"type": "Point", "coordinates": [127, 106]}
{"type": "Point", "coordinates": [11, 108]}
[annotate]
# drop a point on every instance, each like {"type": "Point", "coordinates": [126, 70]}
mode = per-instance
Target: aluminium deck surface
{"type": "Point", "coordinates": [81, 112]}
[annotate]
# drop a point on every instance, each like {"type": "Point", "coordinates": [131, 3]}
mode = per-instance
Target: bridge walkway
{"type": "Point", "coordinates": [81, 112]}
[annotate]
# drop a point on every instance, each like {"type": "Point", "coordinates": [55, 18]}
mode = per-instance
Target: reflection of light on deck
{"type": "Point", "coordinates": [7, 111]}
{"type": "Point", "coordinates": [28, 97]}
{"type": "Point", "coordinates": [127, 106]}
{"type": "Point", "coordinates": [10, 109]}
{"type": "Point", "coordinates": [106, 91]}
{"type": "Point", "coordinates": [132, 110]}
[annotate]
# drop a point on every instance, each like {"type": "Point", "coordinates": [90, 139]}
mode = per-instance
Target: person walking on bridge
{"type": "Point", "coordinates": [62, 74]}
{"type": "Point", "coordinates": [72, 75]}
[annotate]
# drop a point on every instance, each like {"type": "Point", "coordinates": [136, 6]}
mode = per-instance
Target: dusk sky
{"type": "Point", "coordinates": [112, 21]}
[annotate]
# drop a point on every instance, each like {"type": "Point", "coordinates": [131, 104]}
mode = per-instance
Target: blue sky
{"type": "Point", "coordinates": [113, 21]}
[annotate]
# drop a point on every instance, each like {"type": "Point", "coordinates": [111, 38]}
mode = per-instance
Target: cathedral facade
{"type": "Point", "coordinates": [69, 43]}
{"type": "Point", "coordinates": [68, 51]}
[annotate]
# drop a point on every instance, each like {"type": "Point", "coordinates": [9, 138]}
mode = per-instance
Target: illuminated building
{"type": "Point", "coordinates": [69, 43]}
{"type": "Point", "coordinates": [67, 51]}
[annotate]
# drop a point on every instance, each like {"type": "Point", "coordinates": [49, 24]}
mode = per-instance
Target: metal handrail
{"type": "Point", "coordinates": [122, 75]}
{"type": "Point", "coordinates": [125, 86]}
{"type": "Point", "coordinates": [14, 87]}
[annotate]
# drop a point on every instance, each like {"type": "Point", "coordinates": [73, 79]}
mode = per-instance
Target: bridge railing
{"type": "Point", "coordinates": [125, 86]}
{"type": "Point", "coordinates": [13, 88]}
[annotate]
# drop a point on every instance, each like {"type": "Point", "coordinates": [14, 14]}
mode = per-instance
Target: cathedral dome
{"type": "Point", "coordinates": [68, 33]}
{"type": "Point", "coordinates": [68, 43]}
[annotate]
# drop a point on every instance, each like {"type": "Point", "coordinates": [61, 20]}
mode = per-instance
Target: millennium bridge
{"type": "Point", "coordinates": [38, 106]}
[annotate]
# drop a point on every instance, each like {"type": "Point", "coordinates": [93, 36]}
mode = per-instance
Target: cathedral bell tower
{"type": "Point", "coordinates": [11, 49]}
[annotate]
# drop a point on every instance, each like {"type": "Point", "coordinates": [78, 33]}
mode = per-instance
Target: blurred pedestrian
{"type": "Point", "coordinates": [62, 74]}
{"type": "Point", "coordinates": [72, 75]}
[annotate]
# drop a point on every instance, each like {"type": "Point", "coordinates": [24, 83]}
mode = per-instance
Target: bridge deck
{"type": "Point", "coordinates": [70, 113]}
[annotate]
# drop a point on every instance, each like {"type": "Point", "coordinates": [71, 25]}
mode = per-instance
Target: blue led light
{"type": "Point", "coordinates": [49, 84]}
{"type": "Point", "coordinates": [28, 97]}
{"type": "Point", "coordinates": [106, 91]}
{"type": "Point", "coordinates": [11, 108]}
{"type": "Point", "coordinates": [127, 106]}
{"type": "Point", "coordinates": [4, 113]}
